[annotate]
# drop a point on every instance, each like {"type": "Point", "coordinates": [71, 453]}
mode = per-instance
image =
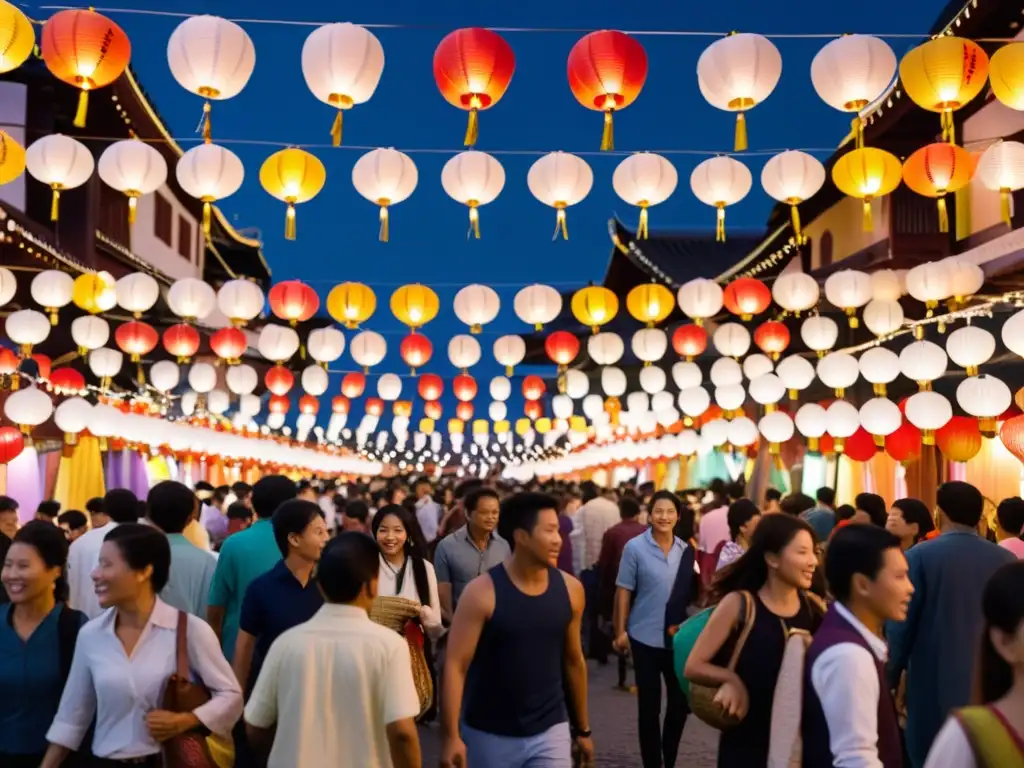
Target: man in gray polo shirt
{"type": "Point", "coordinates": [471, 550]}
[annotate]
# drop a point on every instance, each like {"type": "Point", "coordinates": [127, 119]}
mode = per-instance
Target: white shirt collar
{"type": "Point", "coordinates": [875, 643]}
{"type": "Point", "coordinates": [163, 616]}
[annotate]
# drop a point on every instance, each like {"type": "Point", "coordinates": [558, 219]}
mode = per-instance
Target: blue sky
{"type": "Point", "coordinates": [338, 230]}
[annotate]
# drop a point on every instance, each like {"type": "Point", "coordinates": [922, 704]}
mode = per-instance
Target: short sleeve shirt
{"type": "Point", "coordinates": [647, 572]}
{"type": "Point", "coordinates": [457, 560]}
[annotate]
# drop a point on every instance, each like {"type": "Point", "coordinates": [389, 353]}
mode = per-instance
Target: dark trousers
{"type": "Point", "coordinates": [596, 644]}
{"type": "Point", "coordinates": [658, 742]}
{"type": "Point", "coordinates": [20, 761]}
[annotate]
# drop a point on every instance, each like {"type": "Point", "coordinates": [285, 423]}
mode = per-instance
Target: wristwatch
{"type": "Point", "coordinates": [581, 733]}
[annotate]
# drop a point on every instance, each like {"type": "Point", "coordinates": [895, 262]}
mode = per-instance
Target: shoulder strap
{"type": "Point", "coordinates": [67, 635]}
{"type": "Point", "coordinates": [181, 646]}
{"type": "Point", "coordinates": [748, 624]}
{"type": "Point", "coordinates": [993, 743]}
{"type": "Point", "coordinates": [815, 602]}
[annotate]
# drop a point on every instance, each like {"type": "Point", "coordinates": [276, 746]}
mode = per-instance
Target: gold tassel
{"type": "Point", "coordinates": [641, 230]}
{"type": "Point", "coordinates": [384, 220]}
{"type": "Point", "coordinates": [474, 219]}
{"type": "Point", "coordinates": [336, 130]}
{"type": "Point", "coordinates": [132, 205]}
{"type": "Point", "coordinates": [55, 204]}
{"type": "Point", "coordinates": [851, 313]}
{"type": "Point", "coordinates": [869, 222]}
{"type": "Point", "coordinates": [207, 216]}
{"type": "Point", "coordinates": [948, 126]}
{"type": "Point", "coordinates": [508, 370]}
{"type": "Point", "coordinates": [83, 108]}
{"type": "Point", "coordinates": [560, 223]}
{"type": "Point", "coordinates": [608, 135]}
{"type": "Point", "coordinates": [53, 316]}
{"type": "Point", "coordinates": [538, 326]}
{"type": "Point", "coordinates": [289, 223]}
{"type": "Point", "coordinates": [943, 215]}
{"type": "Point", "coordinates": [1004, 206]}
{"type": "Point", "coordinates": [140, 376]}
{"type": "Point", "coordinates": [472, 128]}
{"type": "Point", "coordinates": [207, 129]}
{"type": "Point", "coordinates": [740, 144]}
{"type": "Point", "coordinates": [858, 132]}
{"type": "Point", "coordinates": [794, 214]}
{"type": "Point", "coordinates": [720, 224]}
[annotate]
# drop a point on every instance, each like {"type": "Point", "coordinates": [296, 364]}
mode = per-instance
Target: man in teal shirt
{"type": "Point", "coordinates": [172, 506]}
{"type": "Point", "coordinates": [244, 556]}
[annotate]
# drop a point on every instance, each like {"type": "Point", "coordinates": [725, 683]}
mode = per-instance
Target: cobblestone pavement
{"type": "Point", "coordinates": [613, 720]}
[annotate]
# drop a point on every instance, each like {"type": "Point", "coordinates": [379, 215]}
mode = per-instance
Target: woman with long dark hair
{"type": "Point", "coordinates": [775, 574]}
{"type": "Point", "coordinates": [991, 733]}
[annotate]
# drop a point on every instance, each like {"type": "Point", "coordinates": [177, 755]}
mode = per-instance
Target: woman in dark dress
{"type": "Point", "coordinates": [776, 572]}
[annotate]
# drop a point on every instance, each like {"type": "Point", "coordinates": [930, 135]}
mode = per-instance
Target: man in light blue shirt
{"type": "Point", "coordinates": [172, 506]}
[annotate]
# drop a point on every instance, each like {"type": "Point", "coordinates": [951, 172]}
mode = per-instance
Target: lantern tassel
{"type": "Point", "coordinates": [207, 128]}
{"type": "Point", "coordinates": [83, 108]}
{"type": "Point", "coordinates": [472, 128]}
{"type": "Point", "coordinates": [869, 221]}
{"type": "Point", "coordinates": [641, 230]}
{"type": "Point", "coordinates": [336, 129]}
{"type": "Point", "coordinates": [1004, 206]}
{"type": "Point", "coordinates": [474, 220]}
{"type": "Point", "coordinates": [384, 224]}
{"type": "Point", "coordinates": [207, 218]}
{"type": "Point", "coordinates": [132, 205]}
{"type": "Point", "coordinates": [948, 127]}
{"type": "Point", "coordinates": [720, 224]}
{"type": "Point", "coordinates": [857, 127]}
{"type": "Point", "coordinates": [140, 376]}
{"type": "Point", "coordinates": [289, 223]}
{"type": "Point", "coordinates": [740, 144]}
{"type": "Point", "coordinates": [55, 204]}
{"type": "Point", "coordinates": [608, 135]}
{"type": "Point", "coordinates": [794, 214]}
{"type": "Point", "coordinates": [560, 224]}
{"type": "Point", "coordinates": [943, 215]}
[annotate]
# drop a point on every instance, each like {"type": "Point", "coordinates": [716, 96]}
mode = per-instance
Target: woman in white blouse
{"type": "Point", "coordinates": [124, 657]}
{"type": "Point", "coordinates": [404, 569]}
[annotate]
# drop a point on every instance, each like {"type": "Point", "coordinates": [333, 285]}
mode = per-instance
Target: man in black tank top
{"type": "Point", "coordinates": [514, 654]}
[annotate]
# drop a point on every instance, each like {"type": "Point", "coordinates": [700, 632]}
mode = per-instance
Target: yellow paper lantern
{"type": "Point", "coordinates": [943, 75]}
{"type": "Point", "coordinates": [12, 158]}
{"type": "Point", "coordinates": [523, 426]}
{"type": "Point", "coordinates": [481, 427]}
{"type": "Point", "coordinates": [427, 426]}
{"type": "Point", "coordinates": [502, 427]}
{"type": "Point", "coordinates": [17, 38]}
{"type": "Point", "coordinates": [456, 426]}
{"type": "Point", "coordinates": [415, 305]}
{"type": "Point", "coordinates": [351, 304]}
{"type": "Point", "coordinates": [650, 303]}
{"type": "Point", "coordinates": [94, 292]}
{"type": "Point", "coordinates": [867, 173]}
{"type": "Point", "coordinates": [578, 423]}
{"type": "Point", "coordinates": [1006, 75]}
{"type": "Point", "coordinates": [594, 306]}
{"type": "Point", "coordinates": [542, 425]}
{"type": "Point", "coordinates": [293, 176]}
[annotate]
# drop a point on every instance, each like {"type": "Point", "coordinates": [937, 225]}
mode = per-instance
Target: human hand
{"type": "Point", "coordinates": [426, 616]}
{"type": "Point", "coordinates": [585, 745]}
{"type": "Point", "coordinates": [621, 643]}
{"type": "Point", "coordinates": [453, 753]}
{"type": "Point", "coordinates": [165, 725]}
{"type": "Point", "coordinates": [733, 698]}
{"type": "Point", "coordinates": [673, 629]}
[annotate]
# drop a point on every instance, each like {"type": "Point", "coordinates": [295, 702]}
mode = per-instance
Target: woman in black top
{"type": "Point", "coordinates": [776, 572]}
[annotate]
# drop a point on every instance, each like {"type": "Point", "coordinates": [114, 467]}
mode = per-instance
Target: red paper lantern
{"type": "Point", "coordinates": [374, 406]}
{"type": "Point", "coordinates": [433, 410]}
{"type": "Point", "coordinates": [181, 341]}
{"type": "Point", "coordinates": [689, 341]}
{"type": "Point", "coordinates": [8, 362]}
{"type": "Point", "coordinates": [860, 446]}
{"type": "Point", "coordinates": [472, 68]}
{"type": "Point", "coordinates": [533, 409]}
{"type": "Point", "coordinates": [430, 386]}
{"type": "Point", "coordinates": [904, 444]}
{"type": "Point", "coordinates": [402, 408]}
{"type": "Point", "coordinates": [279, 380]}
{"type": "Point", "coordinates": [136, 338]}
{"type": "Point", "coordinates": [309, 405]}
{"type": "Point", "coordinates": [1012, 435]}
{"type": "Point", "coordinates": [416, 350]}
{"type": "Point", "coordinates": [279, 404]}
{"type": "Point", "coordinates": [44, 363]}
{"type": "Point", "coordinates": [293, 301]}
{"type": "Point", "coordinates": [66, 380]}
{"type": "Point", "coordinates": [562, 347]}
{"type": "Point", "coordinates": [960, 439]}
{"type": "Point", "coordinates": [464, 387]}
{"type": "Point", "coordinates": [464, 411]}
{"type": "Point", "coordinates": [772, 338]}
{"type": "Point", "coordinates": [607, 70]}
{"type": "Point", "coordinates": [12, 443]}
{"type": "Point", "coordinates": [340, 404]}
{"type": "Point", "coordinates": [746, 297]}
{"type": "Point", "coordinates": [353, 385]}
{"type": "Point", "coordinates": [533, 387]}
{"type": "Point", "coordinates": [229, 344]}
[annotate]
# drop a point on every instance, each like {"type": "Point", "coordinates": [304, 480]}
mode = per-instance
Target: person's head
{"type": "Point", "coordinates": [396, 531]}
{"type": "Point", "coordinates": [243, 492]}
{"type": "Point", "coordinates": [423, 487]}
{"type": "Point", "coordinates": [867, 572]}
{"type": "Point", "coordinates": [171, 506]}
{"type": "Point", "coordinates": [300, 530]}
{"type": "Point", "coordinates": [611, 494]}
{"type": "Point", "coordinates": [220, 496]}
{"type": "Point", "coordinates": [240, 514]}
{"type": "Point", "coordinates": [960, 504]}
{"type": "Point", "coordinates": [306, 491]}
{"type": "Point", "coordinates": [663, 512]}
{"type": "Point", "coordinates": [782, 549]}
{"type": "Point", "coordinates": [8, 516]}
{"type": "Point", "coordinates": [122, 506]}
{"type": "Point", "coordinates": [796, 504]}
{"type": "Point", "coordinates": [135, 563]}
{"type": "Point", "coordinates": [826, 497]}
{"type": "Point", "coordinates": [845, 512]}
{"type": "Point", "coordinates": [48, 511]}
{"type": "Point", "coordinates": [269, 493]}
{"type": "Point", "coordinates": [482, 510]}
{"type": "Point", "coordinates": [97, 512]}
{"type": "Point", "coordinates": [1001, 659]}
{"type": "Point", "coordinates": [355, 517]}
{"type": "Point", "coordinates": [397, 493]}
{"type": "Point", "coordinates": [743, 517]}
{"type": "Point", "coordinates": [204, 491]}
{"type": "Point", "coordinates": [570, 502]}
{"type": "Point", "coordinates": [869, 509]}
{"type": "Point", "coordinates": [629, 508]}
{"type": "Point", "coordinates": [717, 489]}
{"type": "Point", "coordinates": [734, 491]}
{"type": "Point", "coordinates": [909, 520]}
{"type": "Point", "coordinates": [588, 490]}
{"type": "Point", "coordinates": [772, 501]}
{"type": "Point", "coordinates": [74, 523]}
{"type": "Point", "coordinates": [34, 566]}
{"type": "Point", "coordinates": [529, 523]}
{"type": "Point", "coordinates": [348, 570]}
{"type": "Point", "coordinates": [1010, 518]}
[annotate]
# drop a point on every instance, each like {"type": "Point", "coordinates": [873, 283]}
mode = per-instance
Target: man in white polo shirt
{"type": "Point", "coordinates": [121, 506]}
{"type": "Point", "coordinates": [338, 690]}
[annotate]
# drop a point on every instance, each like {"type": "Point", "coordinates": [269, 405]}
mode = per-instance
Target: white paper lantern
{"type": "Point", "coordinates": [850, 72]}
{"type": "Point", "coordinates": [686, 375]}
{"type": "Point", "coordinates": [560, 180]}
{"type": "Point", "coordinates": [165, 375]}
{"type": "Point", "coordinates": [795, 291]}
{"type": "Point", "coordinates": [605, 348]}
{"type": "Point", "coordinates": [277, 343]}
{"type": "Point", "coordinates": [240, 300]}
{"type": "Point", "coordinates": [730, 398]}
{"type": "Point", "coordinates": [72, 416]}
{"type": "Point", "coordinates": [473, 179]}
{"type": "Point", "coordinates": [28, 407]}
{"type": "Point", "coordinates": [841, 420]}
{"type": "Point", "coordinates": [577, 385]}
{"type": "Point", "coordinates": [593, 406]}
{"type": "Point", "coordinates": [463, 351]}
{"type": "Point", "coordinates": [59, 162]}
{"type": "Point", "coordinates": [385, 177]}
{"type": "Point", "coordinates": [325, 345]}
{"type": "Point", "coordinates": [1001, 169]}
{"type": "Point", "coordinates": [218, 401]}
{"type": "Point", "coordinates": [725, 372]}
{"type": "Point", "coordinates": [644, 179]}
{"type": "Point", "coordinates": [929, 283]}
{"type": "Point", "coordinates": [105, 363]}
{"type": "Point", "coordinates": [368, 349]}
{"type": "Point", "coordinates": [923, 362]}
{"type": "Point", "coordinates": [666, 418]}
{"type": "Point", "coordinates": [970, 347]}
{"type": "Point", "coordinates": [537, 305]}
{"type": "Point", "coordinates": [51, 289]}
{"type": "Point", "coordinates": [731, 340]}
{"type": "Point", "coordinates": [757, 365]}
{"type": "Point", "coordinates": [984, 397]}
{"type": "Point", "coordinates": [720, 182]}
{"type": "Point", "coordinates": [883, 316]}
{"type": "Point", "coordinates": [693, 401]}
{"type": "Point", "coordinates": [509, 351]}
{"type": "Point", "coordinates": [928, 411]}
{"type": "Point", "coordinates": [776, 427]}
{"type": "Point", "coordinates": [716, 432]}
{"type": "Point", "coordinates": [211, 57]}
{"type": "Point", "coordinates": [613, 381]}
{"type": "Point", "coordinates": [314, 380]}
{"type": "Point", "coordinates": [561, 406]}
{"type": "Point", "coordinates": [700, 299]}
{"type": "Point", "coordinates": [1012, 333]}
{"type": "Point", "coordinates": [389, 387]}
{"type": "Point", "coordinates": [26, 327]}
{"type": "Point", "coordinates": [838, 371]}
{"type": "Point", "coordinates": [137, 293]}
{"type": "Point", "coordinates": [796, 373]}
{"type": "Point", "coordinates": [880, 366]}
{"type": "Point", "coordinates": [89, 332]}
{"type": "Point", "coordinates": [8, 286]}
{"type": "Point", "coordinates": [792, 177]}
{"type": "Point", "coordinates": [767, 389]}
{"type": "Point", "coordinates": [500, 388]}
{"type": "Point", "coordinates": [810, 421]}
{"type": "Point", "coordinates": [134, 169]}
{"type": "Point", "coordinates": [202, 377]}
{"type": "Point", "coordinates": [649, 344]}
{"type": "Point", "coordinates": [886, 285]}
{"type": "Point", "coordinates": [653, 380]}
{"type": "Point", "coordinates": [191, 299]}
{"type": "Point", "coordinates": [662, 402]}
{"type": "Point", "coordinates": [275, 420]}
{"type": "Point", "coordinates": [742, 432]}
{"type": "Point", "coordinates": [819, 333]}
{"type": "Point", "coordinates": [241, 379]}
{"type": "Point", "coordinates": [880, 416]}
{"type": "Point", "coordinates": [209, 173]}
{"type": "Point", "coordinates": [638, 402]}
{"type": "Point", "coordinates": [848, 289]}
{"type": "Point", "coordinates": [965, 278]}
{"type": "Point", "coordinates": [249, 405]}
{"type": "Point", "coordinates": [476, 306]}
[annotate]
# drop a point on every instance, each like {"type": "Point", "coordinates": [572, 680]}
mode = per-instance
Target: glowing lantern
{"type": "Point", "coordinates": [928, 411]}
{"type": "Point", "coordinates": [767, 389]}
{"type": "Point", "coordinates": [943, 75]}
{"type": "Point", "coordinates": [848, 289]}
{"type": "Point", "coordinates": [886, 285]}
{"type": "Point", "coordinates": [594, 306]}
{"type": "Point", "coordinates": [368, 349]}
{"type": "Point", "coordinates": [430, 386]}
{"type": "Point", "coordinates": [464, 387]}
{"type": "Point", "coordinates": [136, 339]}
{"type": "Point", "coordinates": [880, 417]}
{"type": "Point", "coordinates": [293, 176]}
{"type": "Point", "coordinates": [229, 344]}
{"type": "Point", "coordinates": [385, 177]}
{"type": "Point", "coordinates": [463, 351]}
{"type": "Point", "coordinates": [209, 173]}
{"type": "Point", "coordinates": [309, 405]}
{"type": "Point", "coordinates": [342, 65]}
{"type": "Point", "coordinates": [904, 445]}
{"type": "Point", "coordinates": [883, 317]}
{"type": "Point", "coordinates": [473, 68]}
{"type": "Point", "coordinates": [772, 338]}
{"type": "Point", "coordinates": [606, 348]}
{"type": "Point", "coordinates": [838, 371]}
{"type": "Point", "coordinates": [644, 179]}
{"type": "Point", "coordinates": [497, 411]}
{"type": "Point", "coordinates": [351, 304]}
{"type": "Point", "coordinates": [725, 372]}
{"type": "Point", "coordinates": [880, 366]}
{"type": "Point", "coordinates": [757, 365]}
{"type": "Point", "coordinates": [560, 180]}
{"type": "Point", "coordinates": [970, 347]}
{"type": "Point", "coordinates": [105, 364]}
{"type": "Point", "coordinates": [650, 303]}
{"type": "Point", "coordinates": [689, 341]}
{"type": "Point", "coordinates": [212, 58]}
{"type": "Point", "coordinates": [960, 439]}
{"type": "Point", "coordinates": [936, 169]}
{"type": "Point", "coordinates": [133, 168]}
{"type": "Point", "coordinates": [181, 341]}
{"type": "Point", "coordinates": [136, 293]}
{"type": "Point", "coordinates": [607, 70]}
{"type": "Point", "coordinates": [241, 379]}
{"type": "Point", "coordinates": [389, 387]}
{"type": "Point", "coordinates": [325, 345]}
{"type": "Point", "coordinates": [509, 351]}
{"type": "Point", "coordinates": [930, 283]}
{"type": "Point", "coordinates": [8, 286]}
{"type": "Point", "coordinates": [240, 301]}
{"type": "Point", "coordinates": [353, 385]}
{"type": "Point", "coordinates": [61, 163]}
{"type": "Point", "coordinates": [533, 387]}
{"type": "Point", "coordinates": [700, 299]}
{"type": "Point", "coordinates": [17, 38]}
{"type": "Point", "coordinates": [1005, 75]}
{"type": "Point", "coordinates": [278, 404]}
{"type": "Point", "coordinates": [923, 362]}
{"type": "Point", "coordinates": [986, 398]}
{"type": "Point", "coordinates": [66, 380]}
{"type": "Point", "coordinates": [719, 182]}
{"type": "Point", "coordinates": [94, 292]}
{"type": "Point", "coordinates": [191, 299]}
{"type": "Point", "coordinates": [416, 351]}
{"type": "Point", "coordinates": [1012, 436]}
{"type": "Point", "coordinates": [12, 154]}
{"type": "Point", "coordinates": [277, 343]}
{"type": "Point", "coordinates": [795, 291]}
{"type": "Point", "coordinates": [52, 289]}
{"type": "Point", "coordinates": [8, 362]}
{"type": "Point", "coordinates": [473, 179]}
{"type": "Point", "coordinates": [26, 327]}
{"type": "Point", "coordinates": [866, 174]}
{"type": "Point", "coordinates": [279, 380]}
{"type": "Point", "coordinates": [414, 305]}
{"type": "Point", "coordinates": [12, 443]}
{"type": "Point", "coordinates": [860, 446]}
{"type": "Point", "coordinates": [731, 340]}
{"type": "Point", "coordinates": [819, 333]}
{"type": "Point", "coordinates": [562, 348]}
{"type": "Point", "coordinates": [537, 304]}
{"type": "Point", "coordinates": [340, 404]}
{"type": "Point", "coordinates": [72, 417]}
{"type": "Point", "coordinates": [842, 421]}
{"type": "Point", "coordinates": [293, 301]}
{"type": "Point", "coordinates": [850, 72]}
{"type": "Point", "coordinates": [476, 305]}
{"type": "Point", "coordinates": [464, 411]}
{"type": "Point", "coordinates": [965, 278]}
{"type": "Point", "coordinates": [791, 178]}
{"type": "Point", "coordinates": [648, 344]}
{"type": "Point", "coordinates": [433, 410]}
{"type": "Point", "coordinates": [500, 388]}
{"type": "Point", "coordinates": [746, 297]}
{"type": "Point", "coordinates": [85, 50]}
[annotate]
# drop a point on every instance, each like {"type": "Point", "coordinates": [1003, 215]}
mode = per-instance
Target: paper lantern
{"type": "Point", "coordinates": [731, 340]}
{"type": "Point", "coordinates": [181, 341]}
{"type": "Point", "coordinates": [66, 381]}
{"type": "Point", "coordinates": [923, 362]}
{"type": "Point", "coordinates": [27, 408]}
{"type": "Point", "coordinates": [432, 410]}
{"type": "Point", "coordinates": [795, 291]}
{"type": "Point", "coordinates": [342, 65]}
{"type": "Point", "coordinates": [776, 427]}
{"type": "Point", "coordinates": [368, 349]}
{"type": "Point", "coordinates": [792, 177]}
{"type": "Point", "coordinates": [850, 72]}
{"type": "Point", "coordinates": [960, 439]}
{"type": "Point", "coordinates": [241, 379]}
{"type": "Point", "coordinates": [842, 420]}
{"type": "Point", "coordinates": [880, 366]}
{"type": "Point", "coordinates": [689, 341]}
{"type": "Point", "coordinates": [385, 177]}
{"type": "Point", "coordinates": [867, 174]}
{"type": "Point", "coordinates": [772, 338]}
{"type": "Point", "coordinates": [8, 286]}
{"type": "Point", "coordinates": [61, 163]}
{"type": "Point", "coordinates": [26, 327]}
{"type": "Point", "coordinates": [279, 380]}
{"type": "Point", "coordinates": [928, 411]}
{"type": "Point", "coordinates": [136, 338]}
{"type": "Point", "coordinates": [943, 75]}
{"type": "Point", "coordinates": [693, 401]}
{"type": "Point", "coordinates": [416, 351]}
{"type": "Point", "coordinates": [94, 292]}
{"type": "Point", "coordinates": [930, 283]}
{"type": "Point", "coordinates": [810, 422]}
{"type": "Point", "coordinates": [473, 179]}
{"type": "Point", "coordinates": [537, 305]}
{"type": "Point", "coordinates": [607, 70]}
{"type": "Point", "coordinates": [212, 58]}
{"type": "Point", "coordinates": [476, 305]}
{"type": "Point", "coordinates": [209, 173]}
{"type": "Point", "coordinates": [430, 386]}
{"type": "Point", "coordinates": [325, 345]}
{"type": "Point", "coordinates": [464, 387]}
{"type": "Point", "coordinates": [577, 384]}
{"type": "Point", "coordinates": [415, 305]}
{"type": "Point", "coordinates": [314, 380]}
{"type": "Point", "coordinates": [965, 278]}
{"type": "Point", "coordinates": [12, 154]}
{"type": "Point", "coordinates": [278, 404]}
{"type": "Point", "coordinates": [134, 169]}
{"type": "Point", "coordinates": [217, 401]}
{"type": "Point", "coordinates": [819, 333]}
{"type": "Point", "coordinates": [936, 169]}
{"type": "Point", "coordinates": [202, 377]}
{"type": "Point", "coordinates": [767, 389]}
{"type": "Point", "coordinates": [293, 176]}
{"type": "Point", "coordinates": [725, 372]}
{"type": "Point", "coordinates": [757, 365]}
{"type": "Point", "coordinates": [533, 387]}
{"type": "Point", "coordinates": [860, 446]}
{"type": "Point", "coordinates": [700, 299]}
{"type": "Point", "coordinates": [136, 292]}
{"type": "Point", "coordinates": [1001, 166]}
{"type": "Point", "coordinates": [883, 317]}
{"type": "Point", "coordinates": [904, 445]}
{"type": "Point", "coordinates": [293, 301]}
{"type": "Point", "coordinates": [277, 343]}
{"type": "Point", "coordinates": [848, 290]}
{"type": "Point", "coordinates": [1012, 333]}
{"type": "Point", "coordinates": [240, 300]}
{"type": "Point", "coordinates": [106, 363]}
{"type": "Point", "coordinates": [473, 68]}
{"type": "Point", "coordinates": [1012, 436]}
{"type": "Point", "coordinates": [500, 388]}
{"type": "Point", "coordinates": [986, 398]}
{"type": "Point", "coordinates": [72, 416]}
{"type": "Point", "coordinates": [838, 371]}
{"type": "Point", "coordinates": [613, 381]}
{"type": "Point", "coordinates": [52, 289]}
{"type": "Point", "coordinates": [497, 412]}
{"type": "Point", "coordinates": [594, 306]}
{"type": "Point", "coordinates": [85, 50]}
{"type": "Point", "coordinates": [606, 348]}
{"type": "Point", "coordinates": [561, 348]}
{"type": "Point", "coordinates": [229, 344]}
{"type": "Point", "coordinates": [351, 304]}
{"type": "Point", "coordinates": [644, 179]}
{"type": "Point", "coordinates": [353, 385]}
{"type": "Point", "coordinates": [340, 405]}
{"type": "Point", "coordinates": [746, 297]}
{"type": "Point", "coordinates": [719, 182]}
{"type": "Point", "coordinates": [560, 180]}
{"type": "Point", "coordinates": [650, 303]}
{"type": "Point", "coordinates": [463, 351]}
{"type": "Point", "coordinates": [17, 38]}
{"type": "Point", "coordinates": [1005, 75]}
{"type": "Point", "coordinates": [880, 417]}
{"type": "Point", "coordinates": [9, 362]}
{"type": "Point", "coordinates": [649, 345]}
{"type": "Point", "coordinates": [736, 74]}
{"type": "Point", "coordinates": [191, 299]}
{"type": "Point", "coordinates": [509, 351]}
{"type": "Point", "coordinates": [970, 347]}
{"type": "Point", "coordinates": [886, 285]}
{"type": "Point", "coordinates": [464, 411]}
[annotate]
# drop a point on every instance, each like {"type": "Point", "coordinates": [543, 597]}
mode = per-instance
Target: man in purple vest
{"type": "Point", "coordinates": [849, 717]}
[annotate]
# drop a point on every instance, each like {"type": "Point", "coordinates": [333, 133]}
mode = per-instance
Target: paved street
{"type": "Point", "coordinates": [613, 720]}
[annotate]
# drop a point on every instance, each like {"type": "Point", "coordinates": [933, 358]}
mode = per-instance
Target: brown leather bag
{"type": "Point", "coordinates": [189, 750]}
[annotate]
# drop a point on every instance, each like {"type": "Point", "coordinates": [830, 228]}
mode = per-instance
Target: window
{"type": "Point", "coordinates": [185, 238]}
{"type": "Point", "coordinates": [163, 219]}
{"type": "Point", "coordinates": [825, 249]}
